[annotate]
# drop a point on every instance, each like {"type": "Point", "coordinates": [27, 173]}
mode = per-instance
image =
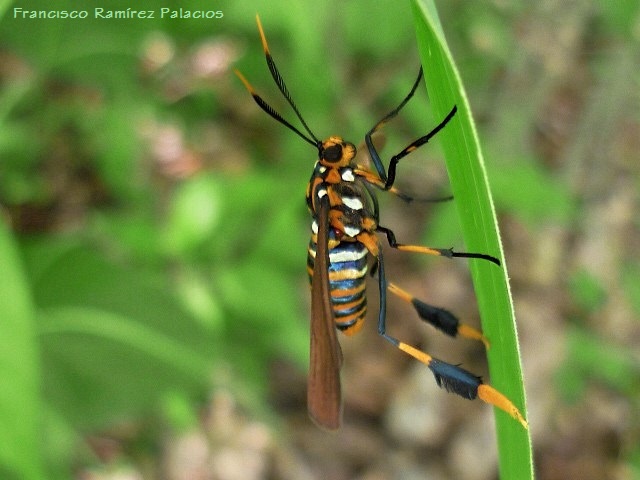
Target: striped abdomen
{"type": "Point", "coordinates": [347, 271]}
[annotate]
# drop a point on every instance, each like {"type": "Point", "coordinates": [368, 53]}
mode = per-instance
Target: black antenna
{"type": "Point", "coordinates": [283, 89]}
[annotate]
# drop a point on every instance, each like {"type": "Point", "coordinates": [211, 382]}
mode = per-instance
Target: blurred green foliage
{"type": "Point", "coordinates": [138, 271]}
{"type": "Point", "coordinates": [590, 359]}
{"type": "Point", "coordinates": [139, 286]}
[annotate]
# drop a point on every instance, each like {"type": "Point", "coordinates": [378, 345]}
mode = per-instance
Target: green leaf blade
{"type": "Point", "coordinates": [19, 369]}
{"type": "Point", "coordinates": [479, 227]}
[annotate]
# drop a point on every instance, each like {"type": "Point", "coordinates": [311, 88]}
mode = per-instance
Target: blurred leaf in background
{"type": "Point", "coordinates": [144, 234]}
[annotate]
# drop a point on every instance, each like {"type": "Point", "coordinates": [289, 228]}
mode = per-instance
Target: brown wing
{"type": "Point", "coordinates": [324, 398]}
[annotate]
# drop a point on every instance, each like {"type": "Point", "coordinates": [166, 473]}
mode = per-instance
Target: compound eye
{"type": "Point", "coordinates": [332, 153]}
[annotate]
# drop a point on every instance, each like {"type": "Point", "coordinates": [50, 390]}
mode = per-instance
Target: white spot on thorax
{"type": "Point", "coordinates": [351, 231]}
{"type": "Point", "coordinates": [347, 175]}
{"type": "Point", "coordinates": [354, 203]}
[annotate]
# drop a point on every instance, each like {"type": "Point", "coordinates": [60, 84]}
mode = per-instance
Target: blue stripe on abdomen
{"type": "Point", "coordinates": [346, 281]}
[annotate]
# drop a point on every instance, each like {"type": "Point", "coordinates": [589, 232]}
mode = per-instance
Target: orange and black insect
{"type": "Point", "coordinates": [342, 201]}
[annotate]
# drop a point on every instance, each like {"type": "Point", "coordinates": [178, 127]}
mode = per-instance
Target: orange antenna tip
{"type": "Point", "coordinates": [244, 80]}
{"type": "Point", "coordinates": [265, 47]}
